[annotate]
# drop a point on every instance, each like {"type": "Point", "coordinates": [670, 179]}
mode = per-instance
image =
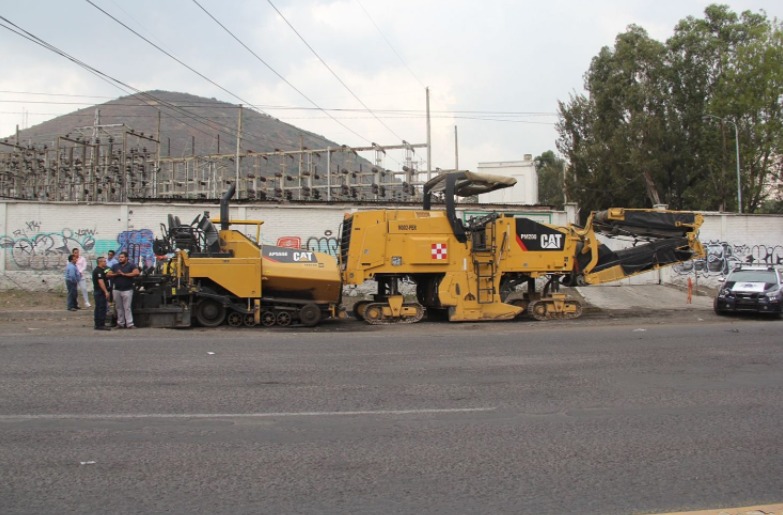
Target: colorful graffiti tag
{"type": "Point", "coordinates": [290, 242]}
{"type": "Point", "coordinates": [722, 257]}
{"type": "Point", "coordinates": [138, 245]}
{"type": "Point", "coordinates": [29, 249]}
{"type": "Point", "coordinates": [327, 244]}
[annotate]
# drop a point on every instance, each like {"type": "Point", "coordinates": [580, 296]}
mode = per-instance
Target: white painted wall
{"type": "Point", "coordinates": [36, 238]}
{"type": "Point", "coordinates": [728, 238]}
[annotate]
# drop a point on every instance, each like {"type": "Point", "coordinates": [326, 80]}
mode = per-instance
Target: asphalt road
{"type": "Point", "coordinates": [599, 415]}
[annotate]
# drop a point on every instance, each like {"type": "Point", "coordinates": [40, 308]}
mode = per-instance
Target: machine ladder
{"type": "Point", "coordinates": [484, 265]}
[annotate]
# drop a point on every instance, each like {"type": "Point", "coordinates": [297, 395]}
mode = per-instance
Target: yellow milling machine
{"type": "Point", "coordinates": [472, 270]}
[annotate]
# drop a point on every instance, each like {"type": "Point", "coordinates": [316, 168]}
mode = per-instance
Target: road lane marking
{"type": "Point", "coordinates": [132, 416]}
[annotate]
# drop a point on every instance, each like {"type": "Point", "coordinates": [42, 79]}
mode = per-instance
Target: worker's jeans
{"type": "Point", "coordinates": [100, 308]}
{"type": "Point", "coordinates": [122, 302]}
{"type": "Point", "coordinates": [72, 294]}
{"type": "Point", "coordinates": [83, 288]}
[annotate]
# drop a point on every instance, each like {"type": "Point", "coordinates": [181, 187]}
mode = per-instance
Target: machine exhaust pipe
{"type": "Point", "coordinates": [224, 221]}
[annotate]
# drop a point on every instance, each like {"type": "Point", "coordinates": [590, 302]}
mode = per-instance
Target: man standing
{"type": "Point", "coordinates": [110, 262]}
{"type": "Point", "coordinates": [71, 282]}
{"type": "Point", "coordinates": [100, 293]}
{"type": "Point", "coordinates": [110, 259]}
{"type": "Point", "coordinates": [122, 276]}
{"type": "Point", "coordinates": [81, 264]}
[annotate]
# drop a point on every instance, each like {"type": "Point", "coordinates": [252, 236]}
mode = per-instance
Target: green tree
{"type": "Point", "coordinates": [613, 136]}
{"type": "Point", "coordinates": [657, 121]}
{"type": "Point", "coordinates": [550, 170]}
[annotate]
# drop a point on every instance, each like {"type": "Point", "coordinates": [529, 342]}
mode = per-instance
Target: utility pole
{"type": "Point", "coordinates": [429, 137]}
{"type": "Point", "coordinates": [239, 139]}
{"type": "Point", "coordinates": [328, 174]}
{"type": "Point", "coordinates": [456, 150]}
{"type": "Point", "coordinates": [157, 161]}
{"type": "Point", "coordinates": [736, 148]}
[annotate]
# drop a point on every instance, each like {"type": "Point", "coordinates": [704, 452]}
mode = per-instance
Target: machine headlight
{"type": "Point", "coordinates": [724, 292]}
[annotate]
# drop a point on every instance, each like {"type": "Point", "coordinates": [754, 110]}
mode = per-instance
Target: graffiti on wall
{"type": "Point", "coordinates": [290, 242]}
{"type": "Point", "coordinates": [31, 249]}
{"type": "Point", "coordinates": [138, 245]}
{"type": "Point", "coordinates": [722, 257]}
{"type": "Point", "coordinates": [326, 244]}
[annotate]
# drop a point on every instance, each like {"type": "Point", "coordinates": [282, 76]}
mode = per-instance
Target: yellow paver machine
{"type": "Point", "coordinates": [212, 276]}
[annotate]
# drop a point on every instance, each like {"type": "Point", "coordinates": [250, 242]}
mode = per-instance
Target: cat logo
{"type": "Point", "coordinates": [551, 241]}
{"type": "Point", "coordinates": [303, 256]}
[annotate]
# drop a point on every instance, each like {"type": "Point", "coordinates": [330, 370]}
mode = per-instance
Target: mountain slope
{"type": "Point", "coordinates": [188, 125]}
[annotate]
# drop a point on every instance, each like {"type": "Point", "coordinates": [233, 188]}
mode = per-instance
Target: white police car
{"type": "Point", "coordinates": [751, 288]}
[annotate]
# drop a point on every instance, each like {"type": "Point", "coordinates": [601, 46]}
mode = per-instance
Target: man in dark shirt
{"type": "Point", "coordinates": [100, 292]}
{"type": "Point", "coordinates": [122, 276]}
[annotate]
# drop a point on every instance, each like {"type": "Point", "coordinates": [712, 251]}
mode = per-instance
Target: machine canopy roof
{"type": "Point", "coordinates": [470, 183]}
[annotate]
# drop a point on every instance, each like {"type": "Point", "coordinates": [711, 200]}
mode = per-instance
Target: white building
{"type": "Point", "coordinates": [525, 192]}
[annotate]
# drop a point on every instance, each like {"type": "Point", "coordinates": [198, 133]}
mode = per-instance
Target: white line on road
{"type": "Point", "coordinates": [126, 416]}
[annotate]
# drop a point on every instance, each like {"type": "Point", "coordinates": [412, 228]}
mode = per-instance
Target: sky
{"type": "Point", "coordinates": [353, 71]}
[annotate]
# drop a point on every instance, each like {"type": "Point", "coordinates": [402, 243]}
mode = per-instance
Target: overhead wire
{"type": "Point", "coordinates": [172, 56]}
{"type": "Point", "coordinates": [126, 88]}
{"type": "Point", "coordinates": [224, 105]}
{"type": "Point", "coordinates": [168, 54]}
{"type": "Point", "coordinates": [367, 14]}
{"type": "Point", "coordinates": [122, 86]}
{"type": "Point", "coordinates": [228, 130]}
{"type": "Point", "coordinates": [280, 76]}
{"type": "Point", "coordinates": [330, 69]}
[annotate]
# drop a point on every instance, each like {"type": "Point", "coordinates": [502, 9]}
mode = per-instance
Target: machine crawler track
{"type": "Point", "coordinates": [377, 313]}
{"type": "Point", "coordinates": [555, 309]}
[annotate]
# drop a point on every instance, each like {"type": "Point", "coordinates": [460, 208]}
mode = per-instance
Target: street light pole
{"type": "Point", "coordinates": [736, 147]}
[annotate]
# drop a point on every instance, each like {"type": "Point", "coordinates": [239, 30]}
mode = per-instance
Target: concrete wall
{"type": "Point", "coordinates": [728, 239]}
{"type": "Point", "coordinates": [36, 238]}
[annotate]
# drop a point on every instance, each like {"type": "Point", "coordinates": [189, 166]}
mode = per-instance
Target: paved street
{"type": "Point", "coordinates": [633, 415]}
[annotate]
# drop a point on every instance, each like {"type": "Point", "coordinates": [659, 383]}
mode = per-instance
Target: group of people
{"type": "Point", "coordinates": [112, 280]}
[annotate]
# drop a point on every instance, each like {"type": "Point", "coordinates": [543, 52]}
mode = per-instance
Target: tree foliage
{"type": "Point", "coordinates": [550, 169]}
{"type": "Point", "coordinates": [657, 122]}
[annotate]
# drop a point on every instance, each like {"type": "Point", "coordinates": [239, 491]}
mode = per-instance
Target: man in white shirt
{"type": "Point", "coordinates": [81, 265]}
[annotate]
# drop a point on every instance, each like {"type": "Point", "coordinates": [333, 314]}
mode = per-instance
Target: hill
{"type": "Point", "coordinates": [107, 152]}
{"type": "Point", "coordinates": [189, 124]}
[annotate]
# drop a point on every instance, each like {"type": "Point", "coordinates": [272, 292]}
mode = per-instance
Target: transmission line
{"type": "Point", "coordinates": [122, 86]}
{"type": "Point", "coordinates": [276, 72]}
{"type": "Point", "coordinates": [389, 43]}
{"type": "Point", "coordinates": [330, 70]}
